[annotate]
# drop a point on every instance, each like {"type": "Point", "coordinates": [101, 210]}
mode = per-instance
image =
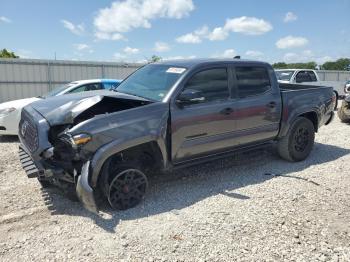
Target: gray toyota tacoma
{"type": "Point", "coordinates": [166, 115]}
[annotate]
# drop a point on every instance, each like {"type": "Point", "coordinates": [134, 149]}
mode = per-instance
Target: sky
{"type": "Point", "coordinates": [134, 30]}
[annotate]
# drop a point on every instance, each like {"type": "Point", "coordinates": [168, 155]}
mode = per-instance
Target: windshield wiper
{"type": "Point", "coordinates": [148, 99]}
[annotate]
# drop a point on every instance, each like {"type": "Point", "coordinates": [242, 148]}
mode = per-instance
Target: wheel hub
{"type": "Point", "coordinates": [127, 189]}
{"type": "Point", "coordinates": [301, 139]}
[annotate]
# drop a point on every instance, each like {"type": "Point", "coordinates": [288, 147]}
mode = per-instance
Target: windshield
{"type": "Point", "coordinates": [58, 90]}
{"type": "Point", "coordinates": [284, 75]}
{"type": "Point", "coordinates": [151, 81]}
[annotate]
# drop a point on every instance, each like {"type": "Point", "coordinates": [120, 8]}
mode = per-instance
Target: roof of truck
{"type": "Point", "coordinates": [199, 61]}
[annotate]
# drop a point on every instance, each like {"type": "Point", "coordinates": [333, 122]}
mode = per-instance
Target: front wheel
{"type": "Point", "coordinates": [127, 187]}
{"type": "Point", "coordinates": [299, 141]}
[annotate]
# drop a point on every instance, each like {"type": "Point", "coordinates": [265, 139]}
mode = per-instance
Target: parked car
{"type": "Point", "coordinates": [167, 115]}
{"type": "Point", "coordinates": [296, 75]}
{"type": "Point", "coordinates": [344, 110]}
{"type": "Point", "coordinates": [308, 77]}
{"type": "Point", "coordinates": [10, 112]}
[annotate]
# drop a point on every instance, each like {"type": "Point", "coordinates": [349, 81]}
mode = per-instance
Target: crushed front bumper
{"type": "Point", "coordinates": [84, 191]}
{"type": "Point", "coordinates": [29, 166]}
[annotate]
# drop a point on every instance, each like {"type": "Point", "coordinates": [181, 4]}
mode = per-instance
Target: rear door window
{"type": "Point", "coordinates": [252, 80]}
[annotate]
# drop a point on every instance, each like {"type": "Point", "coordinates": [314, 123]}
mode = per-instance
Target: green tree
{"type": "Point", "coordinates": [7, 54]}
{"type": "Point", "coordinates": [282, 65]}
{"type": "Point", "coordinates": [155, 58]}
{"type": "Point", "coordinates": [340, 64]}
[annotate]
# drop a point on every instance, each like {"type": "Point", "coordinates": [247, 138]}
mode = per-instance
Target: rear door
{"type": "Point", "coordinates": [203, 127]}
{"type": "Point", "coordinates": [258, 107]}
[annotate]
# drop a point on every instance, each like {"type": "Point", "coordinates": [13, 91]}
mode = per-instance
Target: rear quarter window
{"type": "Point", "coordinates": [312, 76]}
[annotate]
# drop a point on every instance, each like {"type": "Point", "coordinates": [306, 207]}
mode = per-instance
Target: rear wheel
{"type": "Point", "coordinates": [299, 141]}
{"type": "Point", "coordinates": [127, 187]}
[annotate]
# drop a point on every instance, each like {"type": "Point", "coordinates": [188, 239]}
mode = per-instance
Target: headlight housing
{"type": "Point", "coordinates": [81, 139]}
{"type": "Point", "coordinates": [6, 111]}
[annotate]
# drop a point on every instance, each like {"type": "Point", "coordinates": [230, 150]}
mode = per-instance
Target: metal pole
{"type": "Point", "coordinates": [103, 71]}
{"type": "Point", "coordinates": [49, 74]}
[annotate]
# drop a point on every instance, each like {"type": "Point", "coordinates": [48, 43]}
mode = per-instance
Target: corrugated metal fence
{"type": "Point", "coordinates": [330, 75]}
{"type": "Point", "coordinates": [21, 78]}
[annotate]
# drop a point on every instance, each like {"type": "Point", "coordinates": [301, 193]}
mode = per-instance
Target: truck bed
{"type": "Point", "coordinates": [298, 98]}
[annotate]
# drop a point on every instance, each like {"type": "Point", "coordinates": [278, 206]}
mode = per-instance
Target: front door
{"type": "Point", "coordinates": [204, 126]}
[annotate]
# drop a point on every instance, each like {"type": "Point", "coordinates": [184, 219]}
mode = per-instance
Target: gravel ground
{"type": "Point", "coordinates": [228, 210]}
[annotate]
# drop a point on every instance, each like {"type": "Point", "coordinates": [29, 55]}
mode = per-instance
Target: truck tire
{"type": "Point", "coordinates": [297, 144]}
{"type": "Point", "coordinates": [127, 186]}
{"type": "Point", "coordinates": [345, 118]}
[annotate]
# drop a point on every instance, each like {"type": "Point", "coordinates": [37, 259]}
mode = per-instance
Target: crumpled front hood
{"type": "Point", "coordinates": [64, 109]}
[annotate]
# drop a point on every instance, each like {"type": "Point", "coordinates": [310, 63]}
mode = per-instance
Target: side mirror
{"type": "Point", "coordinates": [190, 96]}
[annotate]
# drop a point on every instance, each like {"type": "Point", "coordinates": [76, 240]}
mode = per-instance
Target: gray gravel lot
{"type": "Point", "coordinates": [228, 210]}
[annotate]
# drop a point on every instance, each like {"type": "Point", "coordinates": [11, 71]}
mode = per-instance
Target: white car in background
{"type": "Point", "coordinates": [296, 75]}
{"type": "Point", "coordinates": [10, 112]}
{"type": "Point", "coordinates": [308, 77]}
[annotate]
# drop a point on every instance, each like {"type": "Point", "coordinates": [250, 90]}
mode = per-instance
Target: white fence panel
{"type": "Point", "coordinates": [21, 78]}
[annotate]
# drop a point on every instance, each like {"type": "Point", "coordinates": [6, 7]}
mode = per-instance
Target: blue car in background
{"type": "Point", "coordinates": [84, 85]}
{"type": "Point", "coordinates": [10, 112]}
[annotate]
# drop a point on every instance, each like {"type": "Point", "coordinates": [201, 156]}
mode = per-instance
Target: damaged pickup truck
{"type": "Point", "coordinates": [166, 115]}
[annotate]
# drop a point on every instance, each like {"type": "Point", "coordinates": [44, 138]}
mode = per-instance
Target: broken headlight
{"type": "Point", "coordinates": [81, 139]}
{"type": "Point", "coordinates": [68, 147]}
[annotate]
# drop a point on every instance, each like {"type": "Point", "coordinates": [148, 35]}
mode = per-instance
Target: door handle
{"type": "Point", "coordinates": [226, 111]}
{"type": "Point", "coordinates": [271, 105]}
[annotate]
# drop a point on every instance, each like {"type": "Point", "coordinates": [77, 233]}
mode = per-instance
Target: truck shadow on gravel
{"type": "Point", "coordinates": [182, 188]}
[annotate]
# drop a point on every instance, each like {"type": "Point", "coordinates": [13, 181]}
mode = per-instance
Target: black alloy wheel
{"type": "Point", "coordinates": [297, 144]}
{"type": "Point", "coordinates": [301, 139]}
{"type": "Point", "coordinates": [127, 189]}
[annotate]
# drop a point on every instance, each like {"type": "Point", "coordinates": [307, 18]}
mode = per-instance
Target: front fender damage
{"type": "Point", "coordinates": [84, 191]}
